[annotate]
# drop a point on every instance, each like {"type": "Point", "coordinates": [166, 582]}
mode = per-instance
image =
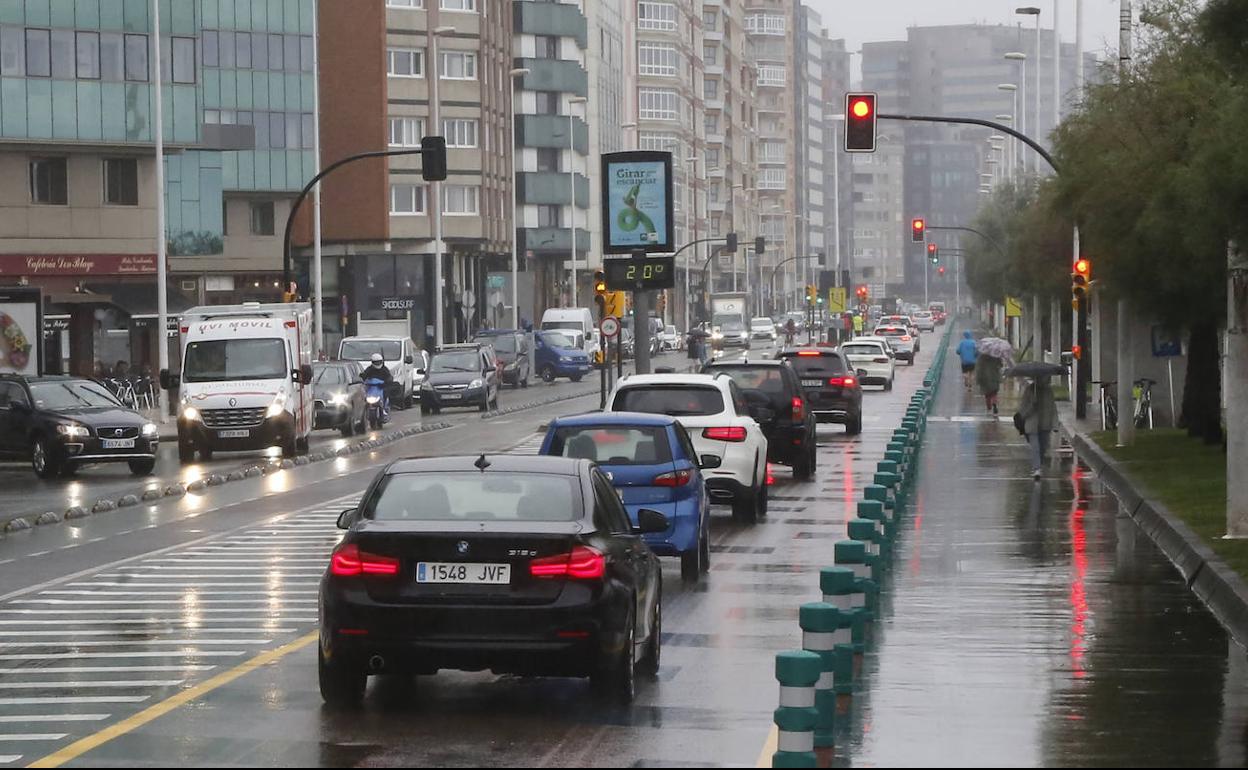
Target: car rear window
{"type": "Point", "coordinates": [475, 496]}
{"type": "Point", "coordinates": [817, 366]}
{"type": "Point", "coordinates": [768, 380]}
{"type": "Point", "coordinates": [674, 400]}
{"type": "Point", "coordinates": [891, 331]}
{"type": "Point", "coordinates": [863, 350]}
{"type": "Point", "coordinates": [614, 444]}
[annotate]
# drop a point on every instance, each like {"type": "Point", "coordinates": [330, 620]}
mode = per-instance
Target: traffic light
{"type": "Point", "coordinates": [1081, 278]}
{"type": "Point", "coordinates": [941, 270]}
{"type": "Point", "coordinates": [918, 229]}
{"type": "Point", "coordinates": [732, 242]}
{"type": "Point", "coordinates": [760, 245]}
{"type": "Point", "coordinates": [600, 292]}
{"type": "Point", "coordinates": [433, 158]}
{"type": "Point", "coordinates": [862, 293]}
{"type": "Point", "coordinates": [811, 293]}
{"type": "Point", "coordinates": [860, 122]}
{"type": "Point", "coordinates": [933, 253]}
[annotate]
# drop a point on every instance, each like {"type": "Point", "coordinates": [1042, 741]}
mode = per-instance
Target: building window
{"type": "Point", "coordinates": [12, 51]}
{"type": "Point", "coordinates": [460, 199]}
{"type": "Point", "coordinates": [305, 53]}
{"type": "Point", "coordinates": [405, 62]}
{"type": "Point", "coordinates": [548, 158]}
{"type": "Point", "coordinates": [407, 199]}
{"type": "Point", "coordinates": [712, 158]}
{"type": "Point", "coordinates": [87, 54]}
{"type": "Point", "coordinates": [38, 53]}
{"type": "Point", "coordinates": [460, 132]}
{"type": "Point", "coordinates": [771, 152]}
{"type": "Point", "coordinates": [277, 130]}
{"type": "Point", "coordinates": [765, 24]}
{"type": "Point", "coordinates": [308, 130]}
{"type": "Point", "coordinates": [656, 59]}
{"type": "Point", "coordinates": [121, 181]}
{"type": "Point", "coordinates": [459, 5]}
{"type": "Point", "coordinates": [136, 58]}
{"type": "Point", "coordinates": [209, 48]}
{"type": "Point", "coordinates": [711, 88]}
{"type": "Point", "coordinates": [658, 104]}
{"type": "Point", "coordinates": [406, 132]}
{"type": "Point", "coordinates": [248, 50]}
{"type": "Point", "coordinates": [711, 124]}
{"type": "Point", "coordinates": [458, 65]}
{"type": "Point", "coordinates": [652, 140]}
{"type": "Point", "coordinates": [710, 20]}
{"type": "Point", "coordinates": [48, 182]}
{"type": "Point", "coordinates": [406, 3]}
{"type": "Point", "coordinates": [63, 54]}
{"type": "Point", "coordinates": [275, 54]}
{"type": "Point", "coordinates": [547, 102]}
{"type": "Point", "coordinates": [547, 47]}
{"type": "Point", "coordinates": [771, 75]}
{"type": "Point", "coordinates": [183, 64]}
{"type": "Point", "coordinates": [710, 54]}
{"type": "Point", "coordinates": [290, 58]}
{"type": "Point", "coordinates": [262, 218]}
{"type": "Point", "coordinates": [771, 179]}
{"type": "Point", "coordinates": [549, 216]}
{"type": "Point", "coordinates": [660, 16]}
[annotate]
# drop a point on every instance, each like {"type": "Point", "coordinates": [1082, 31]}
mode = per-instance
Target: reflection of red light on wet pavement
{"type": "Point", "coordinates": [851, 495]}
{"type": "Point", "coordinates": [915, 562]}
{"type": "Point", "coordinates": [1078, 594]}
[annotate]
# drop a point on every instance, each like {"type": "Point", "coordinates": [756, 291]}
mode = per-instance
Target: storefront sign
{"type": "Point", "coordinates": [637, 191]}
{"type": "Point", "coordinates": [77, 264]}
{"type": "Point", "coordinates": [397, 303]}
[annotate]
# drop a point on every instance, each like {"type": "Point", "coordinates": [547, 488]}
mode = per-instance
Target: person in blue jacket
{"type": "Point", "coordinates": [968, 353]}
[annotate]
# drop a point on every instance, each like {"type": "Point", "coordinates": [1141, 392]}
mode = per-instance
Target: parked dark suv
{"type": "Point", "coordinates": [788, 423]}
{"type": "Point", "coordinates": [512, 349]}
{"type": "Point", "coordinates": [461, 375]}
{"type": "Point", "coordinates": [831, 386]}
{"type": "Point", "coordinates": [61, 423]}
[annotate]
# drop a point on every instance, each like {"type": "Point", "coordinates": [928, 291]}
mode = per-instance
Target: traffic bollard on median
{"type": "Point", "coordinates": [853, 554]}
{"type": "Point", "coordinates": [837, 586]}
{"type": "Point", "coordinates": [819, 622]}
{"type": "Point", "coordinates": [798, 672]}
{"type": "Point", "coordinates": [863, 530]}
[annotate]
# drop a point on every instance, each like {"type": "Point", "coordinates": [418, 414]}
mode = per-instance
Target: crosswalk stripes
{"type": "Point", "coordinates": [82, 654]}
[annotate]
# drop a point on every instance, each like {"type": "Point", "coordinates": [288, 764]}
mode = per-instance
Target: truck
{"type": "Point", "coordinates": [730, 321]}
{"type": "Point", "coordinates": [246, 379]}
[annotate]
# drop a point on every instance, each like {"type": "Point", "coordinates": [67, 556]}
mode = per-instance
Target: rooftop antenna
{"type": "Point", "coordinates": [481, 463]}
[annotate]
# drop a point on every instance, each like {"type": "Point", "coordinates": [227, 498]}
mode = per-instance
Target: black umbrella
{"type": "Point", "coordinates": [1035, 369]}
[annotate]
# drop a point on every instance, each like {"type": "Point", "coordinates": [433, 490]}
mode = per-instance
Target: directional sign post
{"type": "Point", "coordinates": [838, 299]}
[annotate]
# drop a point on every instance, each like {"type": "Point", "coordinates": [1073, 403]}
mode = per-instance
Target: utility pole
{"type": "Point", "coordinates": [1236, 395]}
{"type": "Point", "coordinates": [1126, 359]}
{"type": "Point", "coordinates": [1078, 319]}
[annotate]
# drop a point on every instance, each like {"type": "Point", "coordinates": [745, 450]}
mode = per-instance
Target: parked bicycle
{"type": "Point", "coordinates": [1109, 404]}
{"type": "Point", "coordinates": [1142, 392]}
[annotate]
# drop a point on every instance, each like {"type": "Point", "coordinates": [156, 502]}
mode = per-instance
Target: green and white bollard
{"type": "Point", "coordinates": [853, 554]}
{"type": "Point", "coordinates": [819, 622]}
{"type": "Point", "coordinates": [873, 511]}
{"type": "Point", "coordinates": [837, 586]}
{"type": "Point", "coordinates": [879, 493]}
{"type": "Point", "coordinates": [887, 476]}
{"type": "Point", "coordinates": [864, 530]}
{"type": "Point", "coordinates": [798, 672]}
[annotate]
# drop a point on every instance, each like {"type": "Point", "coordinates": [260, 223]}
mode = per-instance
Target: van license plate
{"type": "Point", "coordinates": [233, 433]}
{"type": "Point", "coordinates": [473, 574]}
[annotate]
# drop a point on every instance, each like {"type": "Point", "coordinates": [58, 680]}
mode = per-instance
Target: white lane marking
{"type": "Point", "coordinates": [134, 632]}
{"type": "Point", "coordinates": [6, 759]}
{"type": "Point", "coordinates": [73, 699]}
{"type": "Point", "coordinates": [10, 718]}
{"type": "Point", "coordinates": [152, 654]}
{"type": "Point", "coordinates": [104, 670]}
{"type": "Point", "coordinates": [81, 592]}
{"type": "Point", "coordinates": [157, 624]}
{"type": "Point", "coordinates": [190, 600]}
{"type": "Point", "coordinates": [14, 737]}
{"type": "Point", "coordinates": [87, 685]}
{"type": "Point", "coordinates": [131, 643]}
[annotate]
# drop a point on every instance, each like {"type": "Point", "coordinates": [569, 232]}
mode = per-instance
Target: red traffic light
{"type": "Point", "coordinates": [1083, 267]}
{"type": "Point", "coordinates": [918, 230]}
{"type": "Point", "coordinates": [861, 108]}
{"type": "Point", "coordinates": [860, 122]}
{"type": "Point", "coordinates": [942, 270]}
{"type": "Point", "coordinates": [931, 248]}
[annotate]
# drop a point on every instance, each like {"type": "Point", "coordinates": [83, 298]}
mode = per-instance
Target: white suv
{"type": "Point", "coordinates": [872, 358]}
{"type": "Point", "coordinates": [925, 321]}
{"type": "Point", "coordinates": [902, 341]}
{"type": "Point", "coordinates": [715, 413]}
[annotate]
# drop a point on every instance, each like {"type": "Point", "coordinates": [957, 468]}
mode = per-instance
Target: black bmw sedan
{"type": "Point", "coordinates": [521, 565]}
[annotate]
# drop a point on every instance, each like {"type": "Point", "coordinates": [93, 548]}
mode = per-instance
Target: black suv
{"type": "Point", "coordinates": [512, 349]}
{"type": "Point", "coordinates": [461, 375]}
{"type": "Point", "coordinates": [831, 386]}
{"type": "Point", "coordinates": [60, 423]}
{"type": "Point", "coordinates": [787, 421]}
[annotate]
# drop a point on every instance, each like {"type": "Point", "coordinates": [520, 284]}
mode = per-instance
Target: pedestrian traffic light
{"type": "Point", "coordinates": [600, 291]}
{"type": "Point", "coordinates": [760, 245]}
{"type": "Point", "coordinates": [933, 253]}
{"type": "Point", "coordinates": [941, 270]}
{"type": "Point", "coordinates": [1081, 278]}
{"type": "Point", "coordinates": [860, 122]}
{"type": "Point", "coordinates": [811, 292]}
{"type": "Point", "coordinates": [731, 244]}
{"type": "Point", "coordinates": [918, 229]}
{"type": "Point", "coordinates": [433, 158]}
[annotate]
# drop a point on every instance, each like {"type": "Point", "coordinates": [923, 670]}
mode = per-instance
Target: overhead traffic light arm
{"type": "Point", "coordinates": [1033, 144]}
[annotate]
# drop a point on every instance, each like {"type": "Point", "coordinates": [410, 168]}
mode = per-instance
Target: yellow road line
{"type": "Point", "coordinates": [769, 748]}
{"type": "Point", "coordinates": [155, 711]}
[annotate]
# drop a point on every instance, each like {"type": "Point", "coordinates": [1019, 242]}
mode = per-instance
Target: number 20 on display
{"type": "Point", "coordinates": [647, 272]}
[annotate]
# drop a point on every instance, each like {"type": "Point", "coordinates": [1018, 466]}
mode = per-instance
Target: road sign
{"type": "Point", "coordinates": [837, 299]}
{"type": "Point", "coordinates": [1167, 343]}
{"type": "Point", "coordinates": [1013, 307]}
{"type": "Point", "coordinates": [609, 326]}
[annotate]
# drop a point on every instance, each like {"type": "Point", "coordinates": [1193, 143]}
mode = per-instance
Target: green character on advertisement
{"type": "Point", "coordinates": [631, 216]}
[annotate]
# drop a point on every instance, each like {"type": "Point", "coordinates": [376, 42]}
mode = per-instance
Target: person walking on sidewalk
{"type": "Point", "coordinates": [988, 377]}
{"type": "Point", "coordinates": [968, 354]}
{"type": "Point", "coordinates": [1039, 413]}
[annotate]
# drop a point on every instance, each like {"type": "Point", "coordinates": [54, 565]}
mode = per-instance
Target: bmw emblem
{"type": "Point", "coordinates": [462, 547]}
{"type": "Point", "coordinates": [233, 402]}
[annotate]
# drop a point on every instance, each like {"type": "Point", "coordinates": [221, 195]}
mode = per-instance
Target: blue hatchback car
{"type": "Point", "coordinates": [652, 463]}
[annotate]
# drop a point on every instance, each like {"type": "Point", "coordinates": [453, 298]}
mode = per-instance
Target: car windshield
{"type": "Point", "coordinates": [557, 340]}
{"type": "Point", "coordinates": [732, 326]}
{"type": "Point", "coordinates": [362, 350]}
{"type": "Point", "coordinates": [474, 497]}
{"type": "Point", "coordinates": [817, 366]}
{"type": "Point", "coordinates": [503, 343]}
{"type": "Point", "coordinates": [241, 359]}
{"type": "Point", "coordinates": [862, 349]}
{"type": "Point", "coordinates": [71, 394]}
{"type": "Point", "coordinates": [456, 361]}
{"type": "Point", "coordinates": [674, 400]}
{"type": "Point", "coordinates": [329, 375]}
{"type": "Point", "coordinates": [614, 445]}
{"type": "Point", "coordinates": [763, 322]}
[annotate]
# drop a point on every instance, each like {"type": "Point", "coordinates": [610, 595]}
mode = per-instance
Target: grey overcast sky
{"type": "Point", "coordinates": [860, 21]}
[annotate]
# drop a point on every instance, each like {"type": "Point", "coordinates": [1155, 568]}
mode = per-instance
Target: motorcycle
{"type": "Point", "coordinates": [375, 398]}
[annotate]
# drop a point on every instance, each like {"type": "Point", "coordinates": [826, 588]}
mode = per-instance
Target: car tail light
{"type": "Point", "coordinates": [732, 433]}
{"type": "Point", "coordinates": [844, 382]}
{"type": "Point", "coordinates": [673, 479]}
{"type": "Point", "coordinates": [905, 338]}
{"type": "Point", "coordinates": [810, 353]}
{"type": "Point", "coordinates": [581, 563]}
{"type": "Point", "coordinates": [350, 561]}
{"type": "Point", "coordinates": [771, 478]}
{"type": "Point", "coordinates": [799, 412]}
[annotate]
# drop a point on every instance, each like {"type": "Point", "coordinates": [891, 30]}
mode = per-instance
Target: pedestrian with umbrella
{"type": "Point", "coordinates": [1038, 411]}
{"type": "Point", "coordinates": [994, 353]}
{"type": "Point", "coordinates": [697, 344]}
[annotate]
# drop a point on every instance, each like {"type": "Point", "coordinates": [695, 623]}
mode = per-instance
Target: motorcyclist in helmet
{"type": "Point", "coordinates": [377, 370]}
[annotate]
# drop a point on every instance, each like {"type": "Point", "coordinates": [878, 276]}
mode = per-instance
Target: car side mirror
{"type": "Point", "coordinates": [650, 521]}
{"type": "Point", "coordinates": [420, 371]}
{"type": "Point", "coordinates": [762, 414]}
{"type": "Point", "coordinates": [19, 406]}
{"type": "Point", "coordinates": [708, 462]}
{"type": "Point", "coordinates": [346, 519]}
{"type": "Point", "coordinates": [303, 374]}
{"type": "Point", "coordinates": [408, 359]}
{"type": "Point", "coordinates": [862, 373]}
{"type": "Point", "coordinates": [169, 380]}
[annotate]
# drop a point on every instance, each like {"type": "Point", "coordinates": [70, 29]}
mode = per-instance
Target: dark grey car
{"type": "Point", "coordinates": [339, 395]}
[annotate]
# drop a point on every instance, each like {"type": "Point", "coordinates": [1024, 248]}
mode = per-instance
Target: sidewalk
{"type": "Point", "coordinates": [1223, 590]}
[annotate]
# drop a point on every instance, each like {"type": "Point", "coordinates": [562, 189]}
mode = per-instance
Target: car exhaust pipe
{"type": "Point", "coordinates": [376, 663]}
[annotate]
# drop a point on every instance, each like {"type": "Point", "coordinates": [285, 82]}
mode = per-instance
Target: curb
{"type": "Point", "coordinates": [534, 404]}
{"type": "Point", "coordinates": [1220, 588]}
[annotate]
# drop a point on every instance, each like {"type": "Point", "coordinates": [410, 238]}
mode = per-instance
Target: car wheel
{"type": "Point", "coordinates": [348, 428]}
{"type": "Point", "coordinates": [854, 426]}
{"type": "Point", "coordinates": [888, 384]}
{"type": "Point", "coordinates": [650, 661]}
{"type": "Point", "coordinates": [744, 508]}
{"type": "Point", "coordinates": [289, 449]}
{"type": "Point", "coordinates": [341, 685]}
{"type": "Point", "coordinates": [484, 405]}
{"type": "Point", "coordinates": [424, 409]}
{"type": "Point", "coordinates": [705, 547]}
{"type": "Point", "coordinates": [142, 467]}
{"type": "Point", "coordinates": [205, 453]}
{"type": "Point", "coordinates": [41, 460]}
{"type": "Point", "coordinates": [804, 469]}
{"type": "Point", "coordinates": [691, 563]}
{"type": "Point", "coordinates": [761, 501]}
{"type": "Point", "coordinates": [547, 373]}
{"type": "Point", "coordinates": [186, 452]}
{"type": "Point", "coordinates": [577, 377]}
{"type": "Point", "coordinates": [616, 678]}
{"type": "Point", "coordinates": [303, 444]}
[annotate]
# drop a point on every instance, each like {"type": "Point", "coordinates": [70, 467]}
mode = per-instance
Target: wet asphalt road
{"type": "Point", "coordinates": [1026, 624]}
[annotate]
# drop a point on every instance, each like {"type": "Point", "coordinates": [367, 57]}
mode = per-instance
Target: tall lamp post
{"type": "Point", "coordinates": [572, 188]}
{"type": "Point", "coordinates": [1031, 10]}
{"type": "Point", "coordinates": [515, 224]}
{"type": "Point", "coordinates": [1009, 120]}
{"type": "Point", "coordinates": [162, 281]}
{"type": "Point", "coordinates": [688, 239]}
{"type": "Point", "coordinates": [435, 120]}
{"type": "Point", "coordinates": [1020, 110]}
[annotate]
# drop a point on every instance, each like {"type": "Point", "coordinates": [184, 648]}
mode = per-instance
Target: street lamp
{"type": "Point", "coordinates": [1031, 10]}
{"type": "Point", "coordinates": [688, 254]}
{"type": "Point", "coordinates": [745, 191]}
{"type": "Point", "coordinates": [515, 225]}
{"type": "Point", "coordinates": [1021, 112]}
{"type": "Point", "coordinates": [435, 119]}
{"type": "Point", "coordinates": [572, 189]}
{"type": "Point", "coordinates": [1011, 121]}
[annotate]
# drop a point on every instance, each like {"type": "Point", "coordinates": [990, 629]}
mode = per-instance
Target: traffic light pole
{"type": "Point", "coordinates": [1033, 144]}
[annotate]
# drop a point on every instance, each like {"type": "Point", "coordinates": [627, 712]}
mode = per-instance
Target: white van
{"type": "Point", "coordinates": [577, 319]}
{"type": "Point", "coordinates": [246, 380]}
{"type": "Point", "coordinates": [401, 357]}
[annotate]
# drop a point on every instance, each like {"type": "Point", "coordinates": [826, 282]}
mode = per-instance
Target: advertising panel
{"type": "Point", "coordinates": [637, 202]}
{"type": "Point", "coordinates": [21, 325]}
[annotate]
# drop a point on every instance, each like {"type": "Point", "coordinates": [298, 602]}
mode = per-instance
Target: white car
{"type": "Point", "coordinates": [925, 321]}
{"type": "Point", "coordinates": [762, 329]}
{"type": "Point", "coordinates": [900, 339]}
{"type": "Point", "coordinates": [873, 359]}
{"type": "Point", "coordinates": [670, 339]}
{"type": "Point", "coordinates": [715, 413]}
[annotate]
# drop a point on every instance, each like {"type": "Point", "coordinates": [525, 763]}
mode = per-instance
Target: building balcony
{"type": "Point", "coordinates": [553, 75]}
{"type": "Point", "coordinates": [550, 187]}
{"type": "Point", "coordinates": [714, 104]}
{"type": "Point", "coordinates": [713, 69]}
{"type": "Point", "coordinates": [560, 19]}
{"type": "Point", "coordinates": [715, 138]}
{"type": "Point", "coordinates": [551, 131]}
{"type": "Point", "coordinates": [552, 240]}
